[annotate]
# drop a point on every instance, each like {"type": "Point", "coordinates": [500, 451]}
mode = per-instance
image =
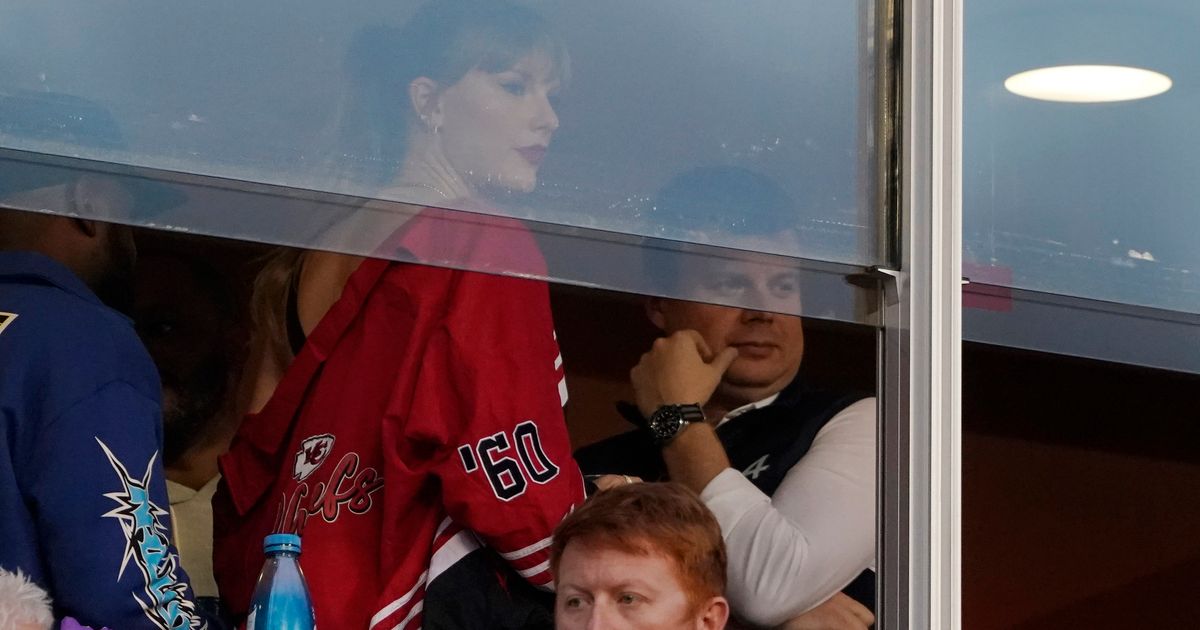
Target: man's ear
{"type": "Point", "coordinates": [713, 615]}
{"type": "Point", "coordinates": [423, 95]}
{"type": "Point", "coordinates": [655, 312]}
{"type": "Point", "coordinates": [79, 204]}
{"type": "Point", "coordinates": [80, 194]}
{"type": "Point", "coordinates": [89, 227]}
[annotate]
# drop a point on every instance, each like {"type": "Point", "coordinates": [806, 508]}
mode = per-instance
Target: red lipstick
{"type": "Point", "coordinates": [533, 154]}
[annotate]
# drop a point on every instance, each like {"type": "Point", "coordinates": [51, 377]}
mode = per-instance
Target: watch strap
{"type": "Point", "coordinates": [632, 415]}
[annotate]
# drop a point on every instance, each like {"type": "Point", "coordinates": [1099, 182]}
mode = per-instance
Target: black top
{"type": "Point", "coordinates": [295, 331]}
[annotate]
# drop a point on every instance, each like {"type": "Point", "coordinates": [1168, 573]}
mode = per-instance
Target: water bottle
{"type": "Point", "coordinates": [281, 600]}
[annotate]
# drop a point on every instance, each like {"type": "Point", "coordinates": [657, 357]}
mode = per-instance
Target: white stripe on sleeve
{"type": "Point", "coordinates": [399, 603]}
{"type": "Point", "coordinates": [513, 556]}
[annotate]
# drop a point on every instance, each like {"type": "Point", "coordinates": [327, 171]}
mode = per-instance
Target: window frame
{"type": "Point", "coordinates": [919, 511]}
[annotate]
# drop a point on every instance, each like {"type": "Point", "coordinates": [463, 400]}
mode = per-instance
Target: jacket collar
{"type": "Point", "coordinates": [21, 266]}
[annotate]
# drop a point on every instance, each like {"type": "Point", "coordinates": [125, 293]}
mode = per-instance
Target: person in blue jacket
{"type": "Point", "coordinates": [83, 501]}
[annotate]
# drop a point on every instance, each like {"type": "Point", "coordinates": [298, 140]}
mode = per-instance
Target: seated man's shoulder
{"type": "Point", "coordinates": [845, 402]}
{"type": "Point", "coordinates": [859, 405]}
{"type": "Point", "coordinates": [855, 419]}
{"type": "Point", "coordinates": [800, 398]}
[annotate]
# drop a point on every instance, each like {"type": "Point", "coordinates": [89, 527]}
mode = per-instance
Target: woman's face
{"type": "Point", "coordinates": [495, 127]}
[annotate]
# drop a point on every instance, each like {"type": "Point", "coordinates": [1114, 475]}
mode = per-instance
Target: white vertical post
{"type": "Point", "coordinates": [920, 347]}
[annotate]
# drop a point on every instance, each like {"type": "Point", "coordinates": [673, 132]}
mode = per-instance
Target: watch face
{"type": "Point", "coordinates": [666, 423]}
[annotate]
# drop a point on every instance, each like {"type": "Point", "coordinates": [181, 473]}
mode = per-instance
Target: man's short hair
{"type": "Point", "coordinates": [725, 204]}
{"type": "Point", "coordinates": [28, 119]}
{"type": "Point", "coordinates": [726, 200]}
{"type": "Point", "coordinates": [666, 519]}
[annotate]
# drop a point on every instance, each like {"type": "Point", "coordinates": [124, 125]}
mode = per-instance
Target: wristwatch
{"type": "Point", "coordinates": [668, 421]}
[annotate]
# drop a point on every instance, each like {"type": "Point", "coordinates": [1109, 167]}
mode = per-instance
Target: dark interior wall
{"type": "Point", "coordinates": [1081, 493]}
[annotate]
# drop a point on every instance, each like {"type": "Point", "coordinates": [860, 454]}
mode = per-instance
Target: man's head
{"type": "Point", "coordinates": [749, 210]}
{"type": "Point", "coordinates": [101, 254]}
{"type": "Point", "coordinates": [770, 346]}
{"type": "Point", "coordinates": [185, 314]}
{"type": "Point", "coordinates": [640, 556]}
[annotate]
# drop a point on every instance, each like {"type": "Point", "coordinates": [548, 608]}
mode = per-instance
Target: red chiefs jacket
{"type": "Point", "coordinates": [422, 418]}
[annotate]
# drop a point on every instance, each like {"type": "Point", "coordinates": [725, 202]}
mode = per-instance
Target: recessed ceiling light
{"type": "Point", "coordinates": [1088, 84]}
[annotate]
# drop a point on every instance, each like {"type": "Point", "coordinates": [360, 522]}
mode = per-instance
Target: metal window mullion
{"type": "Point", "coordinates": [920, 344]}
{"type": "Point", "coordinates": [945, 538]}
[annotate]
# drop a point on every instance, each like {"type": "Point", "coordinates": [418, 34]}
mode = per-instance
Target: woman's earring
{"type": "Point", "coordinates": [432, 126]}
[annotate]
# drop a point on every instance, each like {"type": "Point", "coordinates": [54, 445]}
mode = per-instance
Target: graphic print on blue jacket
{"type": "Point", "coordinates": [149, 547]}
{"type": "Point", "coordinates": [83, 496]}
{"type": "Point", "coordinates": [5, 319]}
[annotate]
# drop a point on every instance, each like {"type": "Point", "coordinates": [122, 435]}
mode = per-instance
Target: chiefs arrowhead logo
{"type": "Point", "coordinates": [313, 452]}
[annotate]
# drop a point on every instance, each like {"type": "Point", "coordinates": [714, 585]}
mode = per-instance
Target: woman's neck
{"type": "Point", "coordinates": [427, 170]}
{"type": "Point", "coordinates": [425, 178]}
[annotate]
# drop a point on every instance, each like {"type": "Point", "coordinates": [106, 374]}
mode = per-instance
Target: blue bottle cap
{"type": "Point", "coordinates": [281, 542]}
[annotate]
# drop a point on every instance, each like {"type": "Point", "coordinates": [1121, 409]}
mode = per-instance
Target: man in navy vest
{"type": "Point", "coordinates": [83, 503]}
{"type": "Point", "coordinates": [789, 471]}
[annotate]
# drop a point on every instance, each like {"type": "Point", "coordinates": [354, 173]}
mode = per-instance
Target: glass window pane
{"type": "Point", "coordinates": [702, 129]}
{"type": "Point", "coordinates": [1090, 199]}
{"type": "Point", "coordinates": [1079, 238]}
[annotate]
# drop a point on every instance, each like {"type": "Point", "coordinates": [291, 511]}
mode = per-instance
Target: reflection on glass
{"type": "Point", "coordinates": [84, 125]}
{"type": "Point", "coordinates": [452, 105]}
{"type": "Point", "coordinates": [1088, 84]}
{"type": "Point", "coordinates": [108, 267]}
{"type": "Point", "coordinates": [450, 110]}
{"type": "Point", "coordinates": [313, 128]}
{"type": "Point", "coordinates": [320, 97]}
{"type": "Point", "coordinates": [753, 213]}
{"type": "Point", "coordinates": [1093, 200]}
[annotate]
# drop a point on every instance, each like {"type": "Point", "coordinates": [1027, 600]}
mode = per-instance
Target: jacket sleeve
{"type": "Point", "coordinates": [102, 515]}
{"type": "Point", "coordinates": [491, 391]}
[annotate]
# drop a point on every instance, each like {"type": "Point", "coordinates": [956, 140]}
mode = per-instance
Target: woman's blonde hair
{"type": "Point", "coordinates": [273, 288]}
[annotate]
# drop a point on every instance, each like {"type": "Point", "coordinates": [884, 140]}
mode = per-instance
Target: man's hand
{"type": "Point", "coordinates": [678, 370]}
{"type": "Point", "coordinates": [839, 612]}
{"type": "Point", "coordinates": [608, 482]}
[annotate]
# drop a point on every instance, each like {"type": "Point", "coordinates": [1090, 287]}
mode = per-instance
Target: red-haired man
{"type": "Point", "coordinates": [640, 556]}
